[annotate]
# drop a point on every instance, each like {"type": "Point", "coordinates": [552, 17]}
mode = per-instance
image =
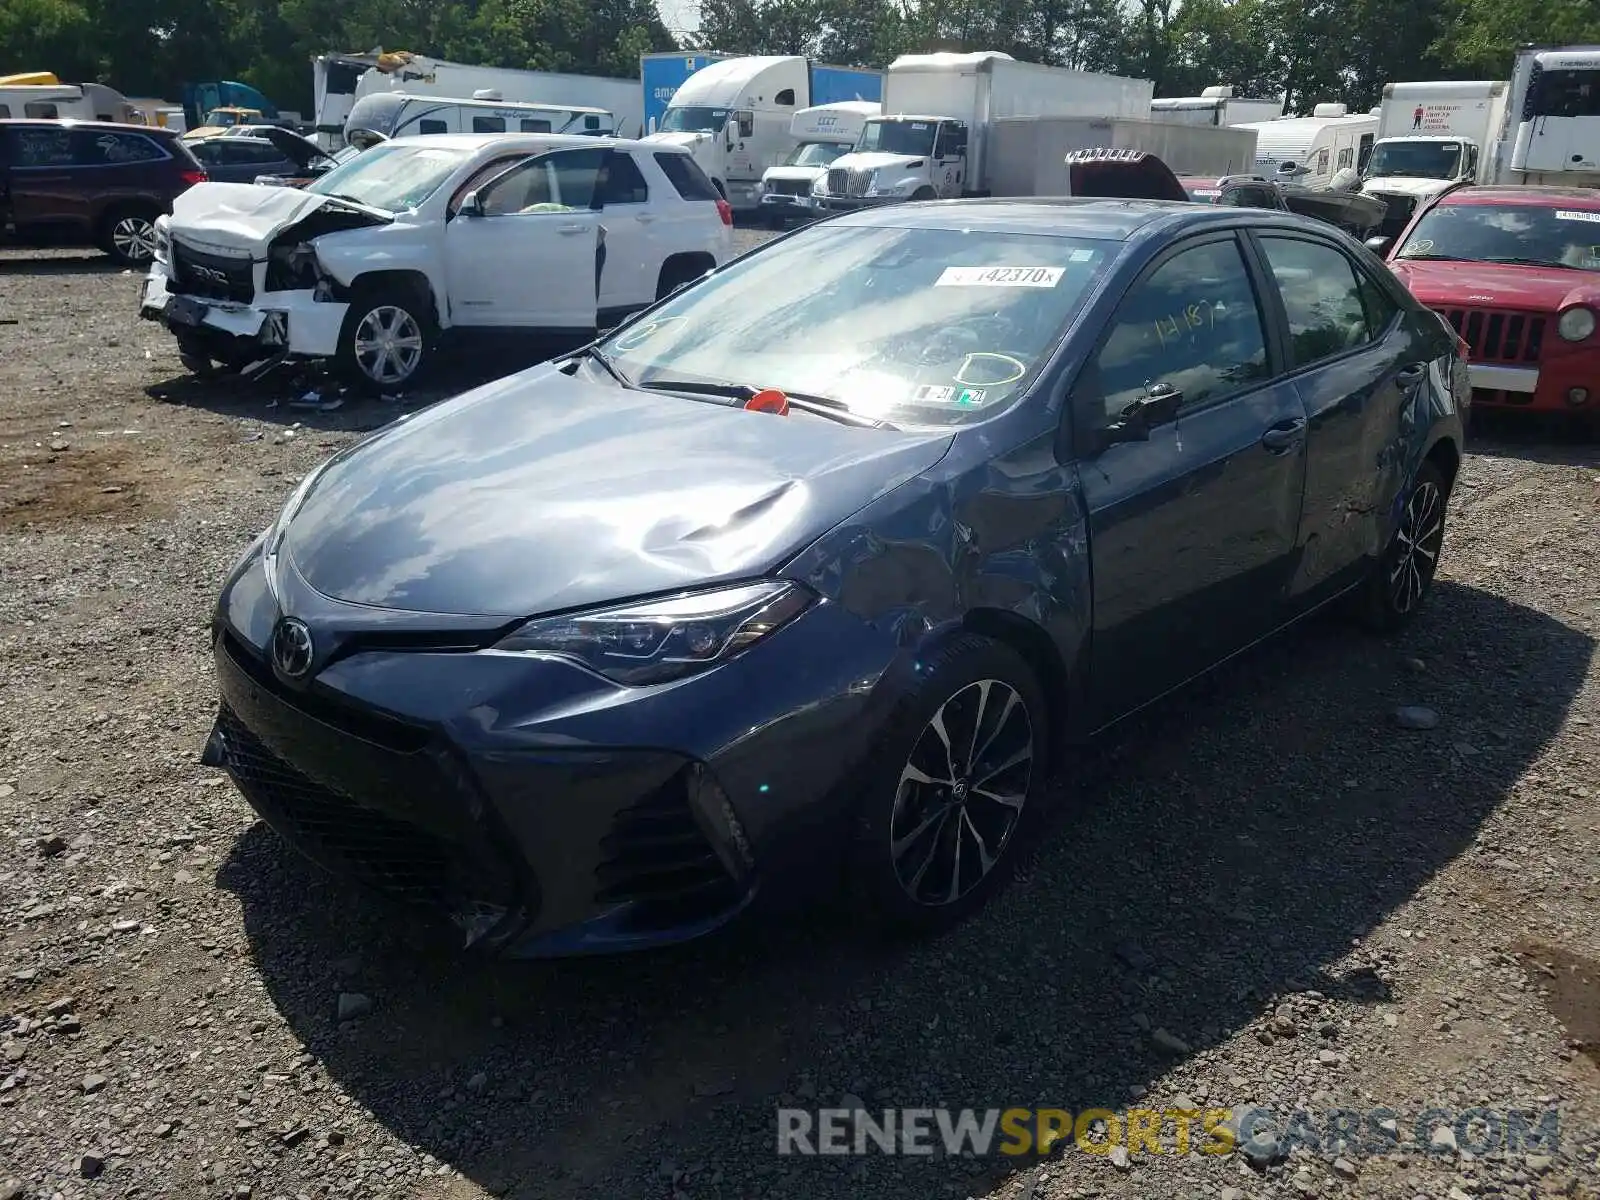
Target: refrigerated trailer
{"type": "Point", "coordinates": [1551, 130]}
{"type": "Point", "coordinates": [1215, 106]}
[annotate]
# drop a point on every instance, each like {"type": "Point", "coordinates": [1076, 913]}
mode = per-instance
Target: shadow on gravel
{"type": "Point", "coordinates": [1537, 437]}
{"type": "Point", "coordinates": [77, 264]}
{"type": "Point", "coordinates": [273, 397]}
{"type": "Point", "coordinates": [1227, 848]}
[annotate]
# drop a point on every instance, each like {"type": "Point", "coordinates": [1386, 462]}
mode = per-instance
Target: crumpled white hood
{"type": "Point", "coordinates": [239, 216]}
{"type": "Point", "coordinates": [1401, 185]}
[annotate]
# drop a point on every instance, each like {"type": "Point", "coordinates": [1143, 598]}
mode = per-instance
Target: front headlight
{"type": "Point", "coordinates": [1576, 323]}
{"type": "Point", "coordinates": [163, 240]}
{"type": "Point", "coordinates": [654, 641]}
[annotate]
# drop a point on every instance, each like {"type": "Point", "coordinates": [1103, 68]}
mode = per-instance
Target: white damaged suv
{"type": "Point", "coordinates": [419, 238]}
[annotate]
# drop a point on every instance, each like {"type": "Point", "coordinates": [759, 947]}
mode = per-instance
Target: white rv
{"type": "Point", "coordinates": [1312, 150]}
{"type": "Point", "coordinates": [385, 115]}
{"type": "Point", "coordinates": [64, 101]}
{"type": "Point", "coordinates": [823, 133]}
{"type": "Point", "coordinates": [1552, 128]}
{"type": "Point", "coordinates": [1430, 136]}
{"type": "Point", "coordinates": [341, 80]}
{"type": "Point", "coordinates": [1214, 106]}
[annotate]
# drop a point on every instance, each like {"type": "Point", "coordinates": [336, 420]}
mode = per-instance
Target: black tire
{"type": "Point", "coordinates": [199, 365]}
{"type": "Point", "coordinates": [399, 312]}
{"type": "Point", "coordinates": [1396, 589]}
{"type": "Point", "coordinates": [675, 274]}
{"type": "Point", "coordinates": [128, 236]}
{"type": "Point", "coordinates": [924, 193]}
{"type": "Point", "coordinates": [971, 678]}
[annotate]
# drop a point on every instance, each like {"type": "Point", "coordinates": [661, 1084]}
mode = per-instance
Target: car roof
{"type": "Point", "coordinates": [1537, 196]}
{"type": "Point", "coordinates": [532, 141]}
{"type": "Point", "coordinates": [91, 126]}
{"type": "Point", "coordinates": [1086, 217]}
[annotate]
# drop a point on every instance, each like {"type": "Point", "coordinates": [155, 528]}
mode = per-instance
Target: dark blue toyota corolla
{"type": "Point", "coordinates": [601, 654]}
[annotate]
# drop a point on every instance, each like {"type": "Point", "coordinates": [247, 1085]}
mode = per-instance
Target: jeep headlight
{"type": "Point", "coordinates": [1576, 323]}
{"type": "Point", "coordinates": [654, 641]}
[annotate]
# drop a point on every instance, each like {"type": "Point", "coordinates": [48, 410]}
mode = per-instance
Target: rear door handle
{"type": "Point", "coordinates": [1285, 435]}
{"type": "Point", "coordinates": [571, 229]}
{"type": "Point", "coordinates": [645, 218]}
{"type": "Point", "coordinates": [1412, 375]}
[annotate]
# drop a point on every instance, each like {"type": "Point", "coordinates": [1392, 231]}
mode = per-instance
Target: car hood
{"type": "Point", "coordinates": [801, 173]}
{"type": "Point", "coordinates": [541, 492]}
{"type": "Point", "coordinates": [1404, 185]}
{"type": "Point", "coordinates": [243, 216]}
{"type": "Point", "coordinates": [687, 140]}
{"type": "Point", "coordinates": [299, 150]}
{"type": "Point", "coordinates": [1497, 285]}
{"type": "Point", "coordinates": [875, 160]}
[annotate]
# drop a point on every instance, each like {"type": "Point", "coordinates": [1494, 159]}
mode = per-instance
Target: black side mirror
{"type": "Point", "coordinates": [1378, 245]}
{"type": "Point", "coordinates": [1156, 407]}
{"type": "Point", "coordinates": [471, 205]}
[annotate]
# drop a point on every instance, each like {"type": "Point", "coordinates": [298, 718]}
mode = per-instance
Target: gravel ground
{"type": "Point", "coordinates": [1271, 892]}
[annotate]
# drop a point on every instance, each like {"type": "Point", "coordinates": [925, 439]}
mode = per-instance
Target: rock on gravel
{"type": "Point", "coordinates": [1266, 868]}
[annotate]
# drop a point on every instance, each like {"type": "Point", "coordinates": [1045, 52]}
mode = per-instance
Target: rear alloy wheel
{"type": "Point", "coordinates": [131, 239]}
{"type": "Point", "coordinates": [1405, 572]}
{"type": "Point", "coordinates": [955, 780]}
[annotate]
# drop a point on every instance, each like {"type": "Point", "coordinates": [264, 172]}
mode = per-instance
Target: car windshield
{"type": "Point", "coordinates": [1525, 234]}
{"type": "Point", "coordinates": [908, 326]}
{"type": "Point", "coordinates": [815, 154]}
{"type": "Point", "coordinates": [393, 178]}
{"type": "Point", "coordinates": [898, 137]}
{"type": "Point", "coordinates": [1415, 160]}
{"type": "Point", "coordinates": [1202, 192]}
{"type": "Point", "coordinates": [694, 120]}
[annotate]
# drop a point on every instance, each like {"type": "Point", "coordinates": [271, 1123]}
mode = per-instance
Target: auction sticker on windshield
{"type": "Point", "coordinates": [1570, 214]}
{"type": "Point", "coordinates": [1037, 277]}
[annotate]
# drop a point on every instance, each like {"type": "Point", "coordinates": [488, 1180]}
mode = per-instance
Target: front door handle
{"type": "Point", "coordinates": [645, 218]}
{"type": "Point", "coordinates": [1285, 435]}
{"type": "Point", "coordinates": [1412, 375]}
{"type": "Point", "coordinates": [571, 229]}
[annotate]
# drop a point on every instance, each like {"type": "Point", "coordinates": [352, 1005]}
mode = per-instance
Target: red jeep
{"type": "Point", "coordinates": [1516, 270]}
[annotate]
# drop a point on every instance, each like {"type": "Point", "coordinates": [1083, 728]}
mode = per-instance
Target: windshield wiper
{"type": "Point", "coordinates": [822, 406]}
{"type": "Point", "coordinates": [1428, 258]}
{"type": "Point", "coordinates": [596, 355]}
{"type": "Point", "coordinates": [1513, 261]}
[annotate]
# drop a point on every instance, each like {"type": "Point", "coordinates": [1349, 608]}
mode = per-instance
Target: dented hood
{"type": "Point", "coordinates": [243, 216]}
{"type": "Point", "coordinates": [542, 492]}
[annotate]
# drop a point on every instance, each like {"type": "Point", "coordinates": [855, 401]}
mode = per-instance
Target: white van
{"type": "Point", "coordinates": [383, 116]}
{"type": "Point", "coordinates": [825, 131]}
{"type": "Point", "coordinates": [1312, 150]}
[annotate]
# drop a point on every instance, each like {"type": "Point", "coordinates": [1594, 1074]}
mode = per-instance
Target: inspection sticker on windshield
{"type": "Point", "coordinates": [935, 394]}
{"type": "Point", "coordinates": [1569, 214]}
{"type": "Point", "coordinates": [1037, 277]}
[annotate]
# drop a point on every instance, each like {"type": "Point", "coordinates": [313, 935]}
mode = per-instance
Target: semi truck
{"type": "Point", "coordinates": [1430, 137]}
{"type": "Point", "coordinates": [734, 115]}
{"type": "Point", "coordinates": [1215, 106]}
{"type": "Point", "coordinates": [984, 124]}
{"type": "Point", "coordinates": [1551, 129]}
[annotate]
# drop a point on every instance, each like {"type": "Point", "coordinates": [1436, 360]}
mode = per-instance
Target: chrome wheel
{"type": "Point", "coordinates": [961, 793]}
{"type": "Point", "coordinates": [388, 345]}
{"type": "Point", "coordinates": [133, 239]}
{"type": "Point", "coordinates": [1416, 547]}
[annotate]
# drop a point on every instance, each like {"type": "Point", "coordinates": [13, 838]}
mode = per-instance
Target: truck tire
{"type": "Point", "coordinates": [924, 193]}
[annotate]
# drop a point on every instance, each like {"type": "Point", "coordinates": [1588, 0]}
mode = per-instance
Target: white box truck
{"type": "Point", "coordinates": [1551, 133]}
{"type": "Point", "coordinates": [1431, 136]}
{"type": "Point", "coordinates": [939, 112]}
{"type": "Point", "coordinates": [1215, 106]}
{"type": "Point", "coordinates": [822, 133]}
{"type": "Point", "coordinates": [734, 116]}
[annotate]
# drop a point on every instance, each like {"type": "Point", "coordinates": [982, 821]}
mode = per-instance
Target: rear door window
{"type": "Point", "coordinates": [50, 146]}
{"type": "Point", "coordinates": [1321, 297]}
{"type": "Point", "coordinates": [686, 177]}
{"type": "Point", "coordinates": [115, 149]}
{"type": "Point", "coordinates": [623, 181]}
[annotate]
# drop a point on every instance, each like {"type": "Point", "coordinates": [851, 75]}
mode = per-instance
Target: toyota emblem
{"type": "Point", "coordinates": [292, 648]}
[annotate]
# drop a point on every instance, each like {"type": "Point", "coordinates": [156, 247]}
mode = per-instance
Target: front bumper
{"type": "Point", "coordinates": [856, 203]}
{"type": "Point", "coordinates": [1550, 387]}
{"type": "Point", "coordinates": [543, 811]}
{"type": "Point", "coordinates": [783, 204]}
{"type": "Point", "coordinates": [288, 323]}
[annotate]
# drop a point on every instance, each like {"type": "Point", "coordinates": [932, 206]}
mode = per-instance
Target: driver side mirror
{"type": "Point", "coordinates": [1158, 406]}
{"type": "Point", "coordinates": [1378, 244]}
{"type": "Point", "coordinates": [471, 205]}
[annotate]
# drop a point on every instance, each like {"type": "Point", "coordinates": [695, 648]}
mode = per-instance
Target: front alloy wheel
{"type": "Point", "coordinates": [961, 793]}
{"type": "Point", "coordinates": [388, 345]}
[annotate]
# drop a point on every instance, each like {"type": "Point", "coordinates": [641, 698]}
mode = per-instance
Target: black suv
{"type": "Point", "coordinates": [90, 183]}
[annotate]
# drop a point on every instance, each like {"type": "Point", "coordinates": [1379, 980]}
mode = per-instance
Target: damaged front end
{"type": "Point", "coordinates": [238, 281]}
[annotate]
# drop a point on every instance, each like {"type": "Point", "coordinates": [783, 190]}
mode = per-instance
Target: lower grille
{"type": "Point", "coordinates": [1499, 396]}
{"type": "Point", "coordinates": [657, 856]}
{"type": "Point", "coordinates": [390, 855]}
{"type": "Point", "coordinates": [1498, 336]}
{"type": "Point", "coordinates": [212, 276]}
